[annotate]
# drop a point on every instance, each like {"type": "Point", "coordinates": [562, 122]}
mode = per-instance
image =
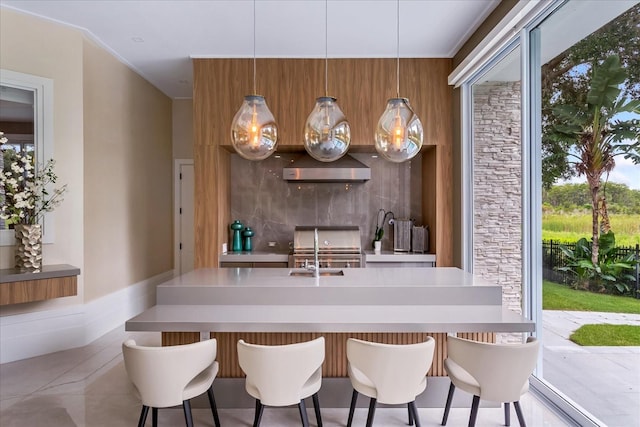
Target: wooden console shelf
{"type": "Point", "coordinates": [54, 281]}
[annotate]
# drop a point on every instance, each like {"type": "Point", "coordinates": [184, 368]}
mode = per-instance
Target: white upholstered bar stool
{"type": "Point", "coordinates": [388, 373]}
{"type": "Point", "coordinates": [494, 372]}
{"type": "Point", "coordinates": [171, 376]}
{"type": "Point", "coordinates": [283, 375]}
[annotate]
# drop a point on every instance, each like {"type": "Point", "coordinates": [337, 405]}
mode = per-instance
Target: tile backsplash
{"type": "Point", "coordinates": [272, 207]}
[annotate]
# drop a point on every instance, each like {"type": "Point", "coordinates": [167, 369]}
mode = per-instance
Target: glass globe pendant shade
{"type": "Point", "coordinates": [399, 133]}
{"type": "Point", "coordinates": [327, 133]}
{"type": "Point", "coordinates": [254, 132]}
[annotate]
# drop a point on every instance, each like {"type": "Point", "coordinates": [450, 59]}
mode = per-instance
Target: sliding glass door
{"type": "Point", "coordinates": [525, 169]}
{"type": "Point", "coordinates": [572, 48]}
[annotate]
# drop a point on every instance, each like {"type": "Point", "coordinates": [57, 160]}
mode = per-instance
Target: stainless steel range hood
{"type": "Point", "coordinates": [308, 169]}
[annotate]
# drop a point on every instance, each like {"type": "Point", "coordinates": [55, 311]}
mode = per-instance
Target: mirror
{"type": "Point", "coordinates": [26, 118]}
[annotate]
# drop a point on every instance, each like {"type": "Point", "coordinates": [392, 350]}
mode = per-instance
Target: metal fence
{"type": "Point", "coordinates": [553, 257]}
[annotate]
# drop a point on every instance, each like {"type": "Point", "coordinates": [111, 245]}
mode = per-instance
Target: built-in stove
{"type": "Point", "coordinates": [338, 246]}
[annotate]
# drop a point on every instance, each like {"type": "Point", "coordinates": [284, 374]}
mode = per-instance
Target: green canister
{"type": "Point", "coordinates": [236, 239]}
{"type": "Point", "coordinates": [248, 234]}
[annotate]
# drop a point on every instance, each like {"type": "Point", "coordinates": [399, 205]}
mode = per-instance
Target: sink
{"type": "Point", "coordinates": [323, 272]}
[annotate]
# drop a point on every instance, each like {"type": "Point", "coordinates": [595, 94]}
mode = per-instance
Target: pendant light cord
{"type": "Point", "coordinates": [398, 49]}
{"type": "Point", "coordinates": [326, 48]}
{"type": "Point", "coordinates": [254, 48]}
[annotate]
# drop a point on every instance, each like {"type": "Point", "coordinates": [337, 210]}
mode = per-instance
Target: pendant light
{"type": "Point", "coordinates": [327, 133]}
{"type": "Point", "coordinates": [399, 133]}
{"type": "Point", "coordinates": [254, 132]}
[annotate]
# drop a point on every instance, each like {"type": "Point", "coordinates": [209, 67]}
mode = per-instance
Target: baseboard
{"type": "Point", "coordinates": [107, 313]}
{"type": "Point", "coordinates": [33, 334]}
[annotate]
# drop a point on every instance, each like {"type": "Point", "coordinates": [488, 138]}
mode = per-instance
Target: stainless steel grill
{"type": "Point", "coordinates": [338, 247]}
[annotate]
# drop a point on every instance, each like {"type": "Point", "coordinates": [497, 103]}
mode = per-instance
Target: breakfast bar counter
{"type": "Point", "coordinates": [329, 318]}
{"type": "Point", "coordinates": [277, 306]}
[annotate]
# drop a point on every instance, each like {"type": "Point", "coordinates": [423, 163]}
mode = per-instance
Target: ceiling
{"type": "Point", "coordinates": [158, 38]}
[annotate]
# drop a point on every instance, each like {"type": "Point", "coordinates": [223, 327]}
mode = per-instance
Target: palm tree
{"type": "Point", "coordinates": [597, 133]}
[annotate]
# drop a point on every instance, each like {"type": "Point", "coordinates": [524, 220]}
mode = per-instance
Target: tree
{"type": "Point", "coordinates": [565, 80]}
{"type": "Point", "coordinates": [594, 128]}
{"type": "Point", "coordinates": [620, 197]}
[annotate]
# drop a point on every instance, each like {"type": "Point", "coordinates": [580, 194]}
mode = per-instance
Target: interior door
{"type": "Point", "coordinates": [186, 242]}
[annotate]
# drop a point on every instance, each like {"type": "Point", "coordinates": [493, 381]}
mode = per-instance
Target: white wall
{"type": "Point", "coordinates": [113, 133]}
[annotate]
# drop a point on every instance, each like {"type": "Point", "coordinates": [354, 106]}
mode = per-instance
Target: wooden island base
{"type": "Point", "coordinates": [335, 364]}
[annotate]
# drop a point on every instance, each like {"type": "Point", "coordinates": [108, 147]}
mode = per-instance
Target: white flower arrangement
{"type": "Point", "coordinates": [23, 190]}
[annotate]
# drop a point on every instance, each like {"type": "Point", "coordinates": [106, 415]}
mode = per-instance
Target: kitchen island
{"type": "Point", "coordinates": [276, 306]}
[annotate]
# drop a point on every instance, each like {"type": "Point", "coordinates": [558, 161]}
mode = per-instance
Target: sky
{"type": "Point", "coordinates": [625, 172]}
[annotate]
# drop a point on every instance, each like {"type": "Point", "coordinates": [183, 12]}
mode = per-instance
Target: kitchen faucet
{"type": "Point", "coordinates": [316, 263]}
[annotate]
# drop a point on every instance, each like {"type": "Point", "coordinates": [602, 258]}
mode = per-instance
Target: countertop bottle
{"type": "Point", "coordinates": [248, 234]}
{"type": "Point", "coordinates": [236, 239]}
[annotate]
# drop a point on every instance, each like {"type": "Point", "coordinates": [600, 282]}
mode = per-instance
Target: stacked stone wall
{"type": "Point", "coordinates": [497, 189]}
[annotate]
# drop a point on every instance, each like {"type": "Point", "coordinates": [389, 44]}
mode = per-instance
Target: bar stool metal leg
{"type": "Point", "coordinates": [507, 414]}
{"type": "Point", "coordinates": [452, 389]}
{"type": "Point", "coordinates": [214, 408]}
{"type": "Point", "coordinates": [474, 411]}
{"type": "Point", "coordinates": [143, 416]}
{"type": "Point", "coordinates": [354, 398]}
{"type": "Point", "coordinates": [186, 406]}
{"type": "Point", "coordinates": [414, 410]}
{"type": "Point", "coordinates": [372, 412]}
{"type": "Point", "coordinates": [316, 407]}
{"type": "Point", "coordinates": [519, 414]}
{"type": "Point", "coordinates": [303, 413]}
{"type": "Point", "coordinates": [258, 416]}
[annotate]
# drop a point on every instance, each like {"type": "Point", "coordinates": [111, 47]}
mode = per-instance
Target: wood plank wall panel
{"type": "Point", "coordinates": [362, 88]}
{"type": "Point", "coordinates": [429, 203]}
{"type": "Point", "coordinates": [38, 290]}
{"type": "Point", "coordinates": [478, 336]}
{"type": "Point", "coordinates": [178, 338]}
{"type": "Point", "coordinates": [437, 122]}
{"type": "Point", "coordinates": [335, 364]}
{"type": "Point", "coordinates": [290, 87]}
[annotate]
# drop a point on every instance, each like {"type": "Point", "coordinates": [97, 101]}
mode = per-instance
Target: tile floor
{"type": "Point", "coordinates": [613, 394]}
{"type": "Point", "coordinates": [88, 386]}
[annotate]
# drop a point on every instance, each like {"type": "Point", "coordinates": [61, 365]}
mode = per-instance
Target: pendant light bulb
{"type": "Point", "coordinates": [327, 133]}
{"type": "Point", "coordinates": [399, 133]}
{"type": "Point", "coordinates": [254, 132]}
{"type": "Point", "coordinates": [398, 130]}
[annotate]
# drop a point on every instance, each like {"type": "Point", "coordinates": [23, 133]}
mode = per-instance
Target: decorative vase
{"type": "Point", "coordinates": [28, 247]}
{"type": "Point", "coordinates": [248, 234]}
{"type": "Point", "coordinates": [236, 239]}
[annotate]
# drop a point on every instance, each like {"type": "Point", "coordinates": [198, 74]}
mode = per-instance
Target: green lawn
{"type": "Point", "coordinates": [559, 297]}
{"type": "Point", "coordinates": [607, 335]}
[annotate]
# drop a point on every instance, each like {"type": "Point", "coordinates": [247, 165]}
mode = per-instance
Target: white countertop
{"type": "Point", "coordinates": [390, 256]}
{"type": "Point", "coordinates": [254, 256]}
{"type": "Point", "coordinates": [370, 256]}
{"type": "Point", "coordinates": [353, 277]}
{"type": "Point", "coordinates": [328, 318]}
{"type": "Point", "coordinates": [364, 299]}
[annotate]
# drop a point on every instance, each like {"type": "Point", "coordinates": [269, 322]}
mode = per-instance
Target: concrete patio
{"type": "Point", "coordinates": [605, 381]}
